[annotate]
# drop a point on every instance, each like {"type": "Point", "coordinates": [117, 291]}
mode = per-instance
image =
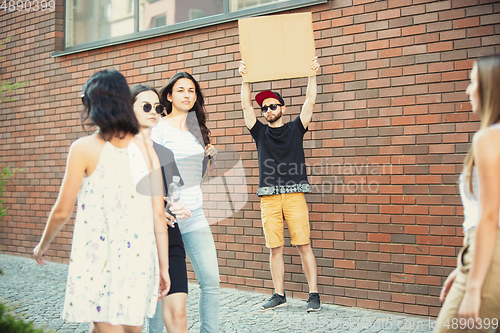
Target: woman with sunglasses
{"type": "Point", "coordinates": [471, 293]}
{"type": "Point", "coordinates": [148, 109]}
{"type": "Point", "coordinates": [184, 131]}
{"type": "Point", "coordinates": [120, 247]}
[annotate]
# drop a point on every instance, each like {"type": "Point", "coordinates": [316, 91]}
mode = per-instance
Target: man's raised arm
{"type": "Point", "coordinates": [246, 100]}
{"type": "Point", "coordinates": [307, 108]}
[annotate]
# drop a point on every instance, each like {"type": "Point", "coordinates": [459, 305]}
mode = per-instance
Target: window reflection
{"type": "Point", "coordinates": [93, 20]}
{"type": "Point", "coordinates": [235, 5]}
{"type": "Point", "coordinates": [157, 13]}
{"type": "Point", "coordinates": [90, 20]}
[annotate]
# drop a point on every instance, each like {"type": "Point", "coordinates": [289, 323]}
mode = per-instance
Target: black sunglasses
{"type": "Point", "coordinates": [272, 107]}
{"type": "Point", "coordinates": [158, 107]}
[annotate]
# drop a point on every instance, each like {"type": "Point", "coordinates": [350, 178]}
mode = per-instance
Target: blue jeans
{"type": "Point", "coordinates": [200, 248]}
{"type": "Point", "coordinates": [155, 324]}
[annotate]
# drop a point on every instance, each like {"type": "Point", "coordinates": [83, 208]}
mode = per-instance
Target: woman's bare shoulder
{"type": "Point", "coordinates": [486, 135]}
{"type": "Point", "coordinates": [485, 143]}
{"type": "Point", "coordinates": [88, 144]}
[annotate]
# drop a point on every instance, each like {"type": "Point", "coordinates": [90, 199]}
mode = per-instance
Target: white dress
{"type": "Point", "coordinates": [113, 274]}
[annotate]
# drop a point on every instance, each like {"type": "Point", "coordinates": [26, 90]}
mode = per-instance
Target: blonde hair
{"type": "Point", "coordinates": [488, 85]}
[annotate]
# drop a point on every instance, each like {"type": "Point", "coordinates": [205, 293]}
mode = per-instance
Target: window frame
{"type": "Point", "coordinates": [224, 17]}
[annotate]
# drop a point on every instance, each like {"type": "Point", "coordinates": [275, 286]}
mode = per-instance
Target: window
{"type": "Point", "coordinates": [242, 4]}
{"type": "Point", "coordinates": [159, 21]}
{"type": "Point", "coordinates": [92, 20]}
{"type": "Point", "coordinates": [196, 13]}
{"type": "Point", "coordinates": [92, 24]}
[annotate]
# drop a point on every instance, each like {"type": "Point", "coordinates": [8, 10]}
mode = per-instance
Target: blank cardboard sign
{"type": "Point", "coordinates": [277, 47]}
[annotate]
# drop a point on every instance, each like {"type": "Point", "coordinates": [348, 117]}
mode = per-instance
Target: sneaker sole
{"type": "Point", "coordinates": [314, 310]}
{"type": "Point", "coordinates": [282, 305]}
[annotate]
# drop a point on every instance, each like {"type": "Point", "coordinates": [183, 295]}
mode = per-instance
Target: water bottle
{"type": "Point", "coordinates": [174, 189]}
{"type": "Point", "coordinates": [174, 193]}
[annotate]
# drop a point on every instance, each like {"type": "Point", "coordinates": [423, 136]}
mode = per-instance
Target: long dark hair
{"type": "Point", "coordinates": [137, 89]}
{"type": "Point", "coordinates": [106, 101]}
{"type": "Point", "coordinates": [196, 121]}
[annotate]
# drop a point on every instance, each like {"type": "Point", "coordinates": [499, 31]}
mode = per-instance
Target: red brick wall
{"type": "Point", "coordinates": [391, 109]}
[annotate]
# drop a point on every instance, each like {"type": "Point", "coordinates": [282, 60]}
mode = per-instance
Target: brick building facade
{"type": "Point", "coordinates": [389, 132]}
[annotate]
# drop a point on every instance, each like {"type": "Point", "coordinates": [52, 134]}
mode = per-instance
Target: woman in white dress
{"type": "Point", "coordinates": [119, 257]}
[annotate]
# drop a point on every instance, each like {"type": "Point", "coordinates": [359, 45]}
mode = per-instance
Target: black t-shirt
{"type": "Point", "coordinates": [169, 170]}
{"type": "Point", "coordinates": [282, 165]}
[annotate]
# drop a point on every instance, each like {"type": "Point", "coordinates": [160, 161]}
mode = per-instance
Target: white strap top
{"type": "Point", "coordinates": [469, 200]}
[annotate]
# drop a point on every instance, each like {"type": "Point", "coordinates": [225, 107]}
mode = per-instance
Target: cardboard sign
{"type": "Point", "coordinates": [277, 47]}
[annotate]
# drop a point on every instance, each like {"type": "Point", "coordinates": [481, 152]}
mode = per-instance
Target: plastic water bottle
{"type": "Point", "coordinates": [174, 189]}
{"type": "Point", "coordinates": [174, 193]}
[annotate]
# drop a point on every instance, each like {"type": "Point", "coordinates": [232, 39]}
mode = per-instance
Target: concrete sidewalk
{"type": "Point", "coordinates": [37, 293]}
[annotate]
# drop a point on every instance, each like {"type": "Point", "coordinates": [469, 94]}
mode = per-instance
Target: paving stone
{"type": "Point", "coordinates": [36, 293]}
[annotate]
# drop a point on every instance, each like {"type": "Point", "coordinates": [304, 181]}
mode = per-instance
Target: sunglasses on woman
{"type": "Point", "coordinates": [271, 107]}
{"type": "Point", "coordinates": [158, 107]}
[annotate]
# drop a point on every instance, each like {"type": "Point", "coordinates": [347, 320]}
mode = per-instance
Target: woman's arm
{"type": "Point", "coordinates": [447, 284]}
{"type": "Point", "coordinates": [487, 162]}
{"type": "Point", "coordinates": [160, 226]}
{"type": "Point", "coordinates": [76, 165]}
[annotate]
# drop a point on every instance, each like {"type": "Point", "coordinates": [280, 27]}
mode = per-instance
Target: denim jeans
{"type": "Point", "coordinates": [200, 248]}
{"type": "Point", "coordinates": [155, 324]}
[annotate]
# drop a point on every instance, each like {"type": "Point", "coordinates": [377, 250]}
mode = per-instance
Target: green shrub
{"type": "Point", "coordinates": [10, 324]}
{"type": "Point", "coordinates": [4, 179]}
{"type": "Point", "coordinates": [7, 88]}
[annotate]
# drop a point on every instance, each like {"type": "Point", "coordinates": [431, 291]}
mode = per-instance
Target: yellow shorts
{"type": "Point", "coordinates": [293, 208]}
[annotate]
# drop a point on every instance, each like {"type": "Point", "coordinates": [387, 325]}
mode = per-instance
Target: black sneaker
{"type": "Point", "coordinates": [313, 303]}
{"type": "Point", "coordinates": [276, 301]}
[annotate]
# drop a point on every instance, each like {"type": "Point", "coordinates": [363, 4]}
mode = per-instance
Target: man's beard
{"type": "Point", "coordinates": [276, 118]}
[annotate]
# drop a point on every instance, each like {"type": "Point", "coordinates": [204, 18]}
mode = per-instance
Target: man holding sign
{"type": "Point", "coordinates": [283, 182]}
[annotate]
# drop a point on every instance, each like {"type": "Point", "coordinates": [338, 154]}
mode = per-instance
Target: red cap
{"type": "Point", "coordinates": [268, 94]}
